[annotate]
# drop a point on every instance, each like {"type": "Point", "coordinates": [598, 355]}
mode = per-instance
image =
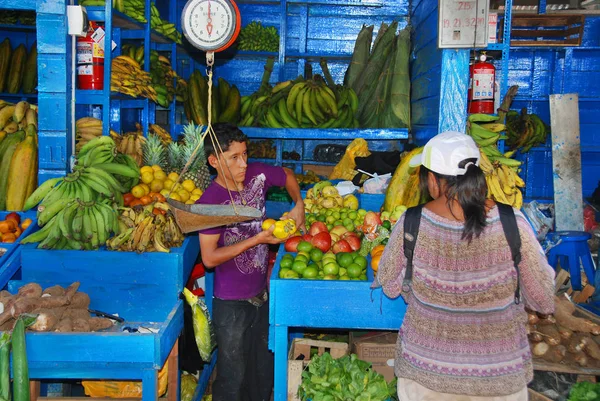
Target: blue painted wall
{"type": "Point", "coordinates": [540, 73]}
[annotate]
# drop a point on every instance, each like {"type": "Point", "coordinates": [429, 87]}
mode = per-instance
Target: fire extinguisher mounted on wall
{"type": "Point", "coordinates": [482, 76]}
{"type": "Point", "coordinates": [90, 58]}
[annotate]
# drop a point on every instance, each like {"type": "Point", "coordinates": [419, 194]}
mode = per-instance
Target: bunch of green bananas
{"type": "Point", "coordinates": [257, 37]}
{"type": "Point", "coordinates": [301, 104]}
{"type": "Point", "coordinates": [166, 28]}
{"type": "Point", "coordinates": [78, 211]}
{"type": "Point", "coordinates": [524, 130]}
{"type": "Point", "coordinates": [27, 17]}
{"type": "Point", "coordinates": [501, 171]}
{"type": "Point", "coordinates": [144, 230]}
{"type": "Point", "coordinates": [9, 17]}
{"type": "Point", "coordinates": [225, 101]}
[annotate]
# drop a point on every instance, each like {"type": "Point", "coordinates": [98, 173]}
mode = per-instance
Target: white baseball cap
{"type": "Point", "coordinates": [449, 153]}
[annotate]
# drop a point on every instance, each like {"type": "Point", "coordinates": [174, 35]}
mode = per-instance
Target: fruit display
{"type": "Point", "coordinates": [136, 10]}
{"type": "Point", "coordinates": [300, 103]}
{"type": "Point", "coordinates": [323, 195]}
{"type": "Point", "coordinates": [284, 228]}
{"type": "Point", "coordinates": [262, 149]}
{"type": "Point", "coordinates": [380, 77]}
{"type": "Point", "coordinates": [86, 129]}
{"type": "Point", "coordinates": [403, 189]}
{"type": "Point", "coordinates": [78, 211]}
{"type": "Point", "coordinates": [525, 131]}
{"type": "Point", "coordinates": [501, 172]}
{"type": "Point", "coordinates": [161, 73]}
{"type": "Point", "coordinates": [257, 37]}
{"type": "Point", "coordinates": [225, 101]}
{"type": "Point", "coordinates": [157, 185]}
{"type": "Point", "coordinates": [149, 228]}
{"type": "Point", "coordinates": [18, 69]}
{"type": "Point", "coordinates": [19, 154]}
{"type": "Point", "coordinates": [308, 178]}
{"type": "Point", "coordinates": [129, 78]}
{"type": "Point", "coordinates": [12, 17]}
{"type": "Point", "coordinates": [159, 131]}
{"type": "Point", "coordinates": [12, 227]}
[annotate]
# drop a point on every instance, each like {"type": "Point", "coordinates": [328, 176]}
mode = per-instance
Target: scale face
{"type": "Point", "coordinates": [211, 25]}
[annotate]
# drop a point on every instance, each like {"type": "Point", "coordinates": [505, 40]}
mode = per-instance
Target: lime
{"type": "Point", "coordinates": [363, 277]}
{"type": "Point", "coordinates": [310, 272]}
{"type": "Point", "coordinates": [292, 274]}
{"type": "Point", "coordinates": [321, 218]}
{"type": "Point", "coordinates": [353, 215]}
{"type": "Point", "coordinates": [347, 221]}
{"type": "Point", "coordinates": [361, 261]}
{"type": "Point", "coordinates": [338, 223]}
{"type": "Point", "coordinates": [345, 260]}
{"type": "Point", "coordinates": [329, 212]}
{"type": "Point", "coordinates": [331, 268]}
{"type": "Point", "coordinates": [336, 215]}
{"type": "Point", "coordinates": [343, 215]}
{"type": "Point", "coordinates": [344, 278]}
{"type": "Point", "coordinates": [330, 277]}
{"type": "Point", "coordinates": [330, 219]}
{"type": "Point", "coordinates": [286, 263]}
{"type": "Point", "coordinates": [283, 272]}
{"type": "Point", "coordinates": [304, 246]}
{"type": "Point", "coordinates": [342, 271]}
{"type": "Point", "coordinates": [321, 274]}
{"type": "Point", "coordinates": [386, 224]}
{"type": "Point", "coordinates": [353, 270]}
{"type": "Point", "coordinates": [316, 255]}
{"type": "Point", "coordinates": [349, 226]}
{"type": "Point", "coordinates": [302, 258]}
{"type": "Point", "coordinates": [362, 212]}
{"type": "Point", "coordinates": [299, 267]}
{"type": "Point", "coordinates": [329, 227]}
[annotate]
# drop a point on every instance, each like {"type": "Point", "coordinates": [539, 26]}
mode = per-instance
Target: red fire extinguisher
{"type": "Point", "coordinates": [481, 87]}
{"type": "Point", "coordinates": [90, 58]}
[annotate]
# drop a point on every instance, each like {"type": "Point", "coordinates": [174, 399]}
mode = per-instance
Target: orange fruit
{"type": "Point", "coordinates": [135, 202]}
{"type": "Point", "coordinates": [146, 200]}
{"type": "Point", "coordinates": [128, 198]}
{"type": "Point", "coordinates": [138, 191]}
{"type": "Point", "coordinates": [26, 223]}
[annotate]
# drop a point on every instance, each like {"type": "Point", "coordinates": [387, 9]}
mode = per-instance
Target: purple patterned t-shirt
{"type": "Point", "coordinates": [245, 275]}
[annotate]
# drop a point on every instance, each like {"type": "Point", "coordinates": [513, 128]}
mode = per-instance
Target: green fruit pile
{"type": "Point", "coordinates": [348, 218]}
{"type": "Point", "coordinates": [311, 263]}
{"type": "Point", "coordinates": [257, 37]}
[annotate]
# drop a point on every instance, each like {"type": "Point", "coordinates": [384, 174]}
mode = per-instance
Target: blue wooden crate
{"type": "Point", "coordinates": [324, 304]}
{"type": "Point", "coordinates": [371, 202]}
{"type": "Point", "coordinates": [151, 275]}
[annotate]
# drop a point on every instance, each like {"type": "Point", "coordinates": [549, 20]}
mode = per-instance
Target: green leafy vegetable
{"type": "Point", "coordinates": [585, 391]}
{"type": "Point", "coordinates": [346, 378]}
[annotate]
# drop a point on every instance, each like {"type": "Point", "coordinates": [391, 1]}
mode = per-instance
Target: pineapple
{"type": "Point", "coordinates": [198, 171]}
{"type": "Point", "coordinates": [174, 158]}
{"type": "Point", "coordinates": [154, 151]}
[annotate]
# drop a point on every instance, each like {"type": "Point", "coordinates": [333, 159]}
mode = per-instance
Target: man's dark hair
{"type": "Point", "coordinates": [226, 134]}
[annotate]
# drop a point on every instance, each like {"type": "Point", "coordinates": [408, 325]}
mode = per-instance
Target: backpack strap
{"type": "Point", "coordinates": [412, 220]}
{"type": "Point", "coordinates": [511, 232]}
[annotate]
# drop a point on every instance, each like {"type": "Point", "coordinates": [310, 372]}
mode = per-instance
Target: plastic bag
{"type": "Point", "coordinates": [346, 188]}
{"type": "Point", "coordinates": [203, 328]}
{"type": "Point", "coordinates": [344, 170]}
{"type": "Point", "coordinates": [540, 217]}
{"type": "Point", "coordinates": [123, 389]}
{"type": "Point", "coordinates": [188, 386]}
{"type": "Point", "coordinates": [377, 184]}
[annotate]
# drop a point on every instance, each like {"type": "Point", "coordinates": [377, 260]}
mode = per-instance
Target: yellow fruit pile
{"type": "Point", "coordinates": [154, 179]}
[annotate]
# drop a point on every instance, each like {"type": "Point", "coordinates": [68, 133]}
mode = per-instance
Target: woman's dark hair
{"type": "Point", "coordinates": [469, 190]}
{"type": "Point", "coordinates": [226, 134]}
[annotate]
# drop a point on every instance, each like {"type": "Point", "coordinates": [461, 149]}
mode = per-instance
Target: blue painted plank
{"type": "Point", "coordinates": [18, 5]}
{"type": "Point", "coordinates": [54, 27]}
{"type": "Point", "coordinates": [453, 92]}
{"type": "Point", "coordinates": [399, 133]}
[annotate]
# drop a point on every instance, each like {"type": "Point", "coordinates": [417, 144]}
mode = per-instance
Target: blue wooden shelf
{"type": "Point", "coordinates": [326, 134]}
{"type": "Point", "coordinates": [316, 55]}
{"type": "Point", "coordinates": [288, 161]}
{"type": "Point", "coordinates": [26, 96]}
{"type": "Point", "coordinates": [17, 27]}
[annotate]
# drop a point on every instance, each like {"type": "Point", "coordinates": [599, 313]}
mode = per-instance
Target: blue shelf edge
{"type": "Point", "coordinates": [17, 27]}
{"type": "Point", "coordinates": [287, 161]}
{"type": "Point", "coordinates": [328, 134]}
{"type": "Point", "coordinates": [4, 95]}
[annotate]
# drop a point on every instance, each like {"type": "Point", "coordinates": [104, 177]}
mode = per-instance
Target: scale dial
{"type": "Point", "coordinates": [211, 25]}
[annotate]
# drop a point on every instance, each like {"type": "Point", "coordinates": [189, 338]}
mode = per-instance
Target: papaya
{"type": "Point", "coordinates": [22, 166]}
{"type": "Point", "coordinates": [403, 188]}
{"type": "Point", "coordinates": [5, 52]}
{"type": "Point", "coordinates": [30, 74]}
{"type": "Point", "coordinates": [7, 149]}
{"type": "Point", "coordinates": [17, 65]}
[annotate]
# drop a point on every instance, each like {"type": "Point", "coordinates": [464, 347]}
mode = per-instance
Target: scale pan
{"type": "Point", "coordinates": [192, 218]}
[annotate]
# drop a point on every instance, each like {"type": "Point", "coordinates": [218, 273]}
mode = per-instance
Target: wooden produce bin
{"type": "Point", "coordinates": [141, 288]}
{"type": "Point", "coordinates": [324, 304]}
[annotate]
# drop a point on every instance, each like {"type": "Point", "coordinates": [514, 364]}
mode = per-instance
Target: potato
{"type": "Point", "coordinates": [100, 323]}
{"type": "Point", "coordinates": [46, 320]}
{"type": "Point", "coordinates": [81, 325]}
{"type": "Point", "coordinates": [77, 313]}
{"type": "Point", "coordinates": [564, 332]}
{"type": "Point", "coordinates": [564, 317]}
{"type": "Point", "coordinates": [80, 300]}
{"type": "Point", "coordinates": [540, 349]}
{"type": "Point", "coordinates": [54, 291]}
{"type": "Point", "coordinates": [577, 358]}
{"type": "Point", "coordinates": [31, 290]}
{"type": "Point", "coordinates": [71, 291]}
{"type": "Point", "coordinates": [555, 354]}
{"type": "Point", "coordinates": [550, 334]}
{"type": "Point", "coordinates": [64, 326]}
{"type": "Point", "coordinates": [532, 318]}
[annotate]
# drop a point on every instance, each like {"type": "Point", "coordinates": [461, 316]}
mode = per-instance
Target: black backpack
{"type": "Point", "coordinates": [412, 220]}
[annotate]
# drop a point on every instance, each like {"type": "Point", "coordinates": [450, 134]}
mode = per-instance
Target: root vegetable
{"type": "Point", "coordinates": [71, 291]}
{"type": "Point", "coordinates": [80, 300]}
{"type": "Point", "coordinates": [532, 318]}
{"type": "Point", "coordinates": [555, 354]}
{"type": "Point", "coordinates": [5, 296]}
{"type": "Point", "coordinates": [577, 358]}
{"type": "Point", "coordinates": [47, 319]}
{"type": "Point", "coordinates": [546, 321]}
{"type": "Point", "coordinates": [8, 325]}
{"type": "Point", "coordinates": [99, 323]}
{"type": "Point", "coordinates": [565, 332]}
{"type": "Point", "coordinates": [54, 291]}
{"type": "Point", "coordinates": [540, 349]}
{"type": "Point", "coordinates": [568, 305]}
{"type": "Point", "coordinates": [64, 326]}
{"type": "Point", "coordinates": [576, 343]}
{"type": "Point", "coordinates": [81, 325]}
{"type": "Point", "coordinates": [31, 290]}
{"type": "Point", "coordinates": [591, 348]}
{"type": "Point", "coordinates": [530, 328]}
{"type": "Point", "coordinates": [535, 337]}
{"type": "Point", "coordinates": [24, 305]}
{"type": "Point", "coordinates": [565, 318]}
{"type": "Point", "coordinates": [77, 314]}
{"type": "Point", "coordinates": [550, 334]}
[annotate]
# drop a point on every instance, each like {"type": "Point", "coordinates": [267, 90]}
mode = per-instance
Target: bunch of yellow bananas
{"type": "Point", "coordinates": [501, 171]}
{"type": "Point", "coordinates": [127, 77]}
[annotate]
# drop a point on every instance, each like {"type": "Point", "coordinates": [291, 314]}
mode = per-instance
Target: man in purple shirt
{"type": "Point", "coordinates": [239, 254]}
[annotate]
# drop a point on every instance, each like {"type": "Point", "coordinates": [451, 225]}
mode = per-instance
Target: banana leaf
{"type": "Point", "coordinates": [360, 56]}
{"type": "Point", "coordinates": [383, 91]}
{"type": "Point", "coordinates": [367, 82]}
{"type": "Point", "coordinates": [400, 93]}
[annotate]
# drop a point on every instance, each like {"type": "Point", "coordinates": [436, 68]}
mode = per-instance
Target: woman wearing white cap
{"type": "Point", "coordinates": [463, 336]}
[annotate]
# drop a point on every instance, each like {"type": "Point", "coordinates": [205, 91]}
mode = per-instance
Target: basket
{"type": "Point", "coordinates": [547, 30]}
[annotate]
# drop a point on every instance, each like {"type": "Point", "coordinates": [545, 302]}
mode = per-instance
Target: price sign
{"type": "Point", "coordinates": [463, 23]}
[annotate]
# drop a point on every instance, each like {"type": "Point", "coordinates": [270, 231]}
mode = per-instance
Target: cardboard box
{"type": "Point", "coordinates": [299, 357]}
{"type": "Point", "coordinates": [379, 348]}
{"type": "Point", "coordinates": [493, 27]}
